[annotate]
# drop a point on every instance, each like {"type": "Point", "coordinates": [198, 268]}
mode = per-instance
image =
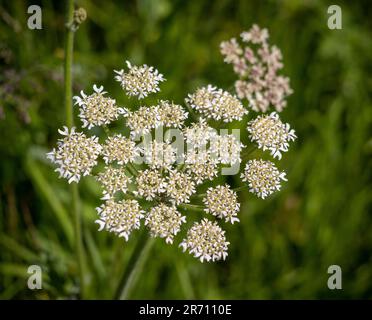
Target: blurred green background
{"type": "Point", "coordinates": [284, 245]}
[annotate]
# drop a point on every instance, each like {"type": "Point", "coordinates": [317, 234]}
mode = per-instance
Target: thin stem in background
{"type": "Point", "coordinates": [134, 266]}
{"type": "Point", "coordinates": [69, 49]}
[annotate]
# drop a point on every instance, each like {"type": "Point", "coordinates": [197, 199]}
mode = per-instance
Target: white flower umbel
{"type": "Point", "coordinates": [119, 149]}
{"type": "Point", "coordinates": [216, 104]}
{"type": "Point", "coordinates": [170, 114]}
{"type": "Point", "coordinates": [150, 184]}
{"type": "Point", "coordinates": [76, 154]}
{"type": "Point", "coordinates": [120, 217]}
{"type": "Point", "coordinates": [139, 81]}
{"type": "Point", "coordinates": [198, 134]}
{"type": "Point", "coordinates": [164, 221]}
{"type": "Point", "coordinates": [227, 148]}
{"type": "Point", "coordinates": [263, 177]}
{"type": "Point", "coordinates": [180, 187]}
{"type": "Point", "coordinates": [160, 155]}
{"type": "Point", "coordinates": [206, 241]}
{"type": "Point", "coordinates": [271, 134]}
{"type": "Point", "coordinates": [113, 180]}
{"type": "Point", "coordinates": [143, 120]}
{"type": "Point", "coordinates": [201, 166]}
{"type": "Point", "coordinates": [96, 109]}
{"type": "Point", "coordinates": [222, 202]}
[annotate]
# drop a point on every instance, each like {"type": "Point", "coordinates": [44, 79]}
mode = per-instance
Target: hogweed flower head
{"type": "Point", "coordinates": [231, 50]}
{"type": "Point", "coordinates": [160, 155]}
{"type": "Point", "coordinates": [164, 221]}
{"type": "Point", "coordinates": [216, 104]}
{"type": "Point", "coordinates": [228, 148]}
{"type": "Point", "coordinates": [257, 66]}
{"type": "Point", "coordinates": [139, 81]}
{"type": "Point", "coordinates": [119, 149]}
{"type": "Point", "coordinates": [206, 241]}
{"type": "Point", "coordinates": [201, 166]}
{"type": "Point", "coordinates": [120, 217]}
{"type": "Point", "coordinates": [143, 120]}
{"type": "Point", "coordinates": [76, 154]}
{"type": "Point", "coordinates": [222, 202]}
{"type": "Point", "coordinates": [170, 114]}
{"type": "Point", "coordinates": [96, 109]}
{"type": "Point", "coordinates": [271, 133]}
{"type": "Point", "coordinates": [113, 180]}
{"type": "Point", "coordinates": [199, 134]}
{"type": "Point", "coordinates": [150, 184]}
{"type": "Point", "coordinates": [263, 177]}
{"type": "Point", "coordinates": [180, 186]}
{"type": "Point", "coordinates": [161, 182]}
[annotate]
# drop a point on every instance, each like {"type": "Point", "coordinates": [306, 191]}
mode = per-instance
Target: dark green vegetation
{"type": "Point", "coordinates": [283, 246]}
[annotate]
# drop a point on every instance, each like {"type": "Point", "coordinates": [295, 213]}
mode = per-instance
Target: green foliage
{"type": "Point", "coordinates": [283, 246]}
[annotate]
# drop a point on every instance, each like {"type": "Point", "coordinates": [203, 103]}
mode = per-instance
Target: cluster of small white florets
{"type": "Point", "coordinates": [206, 241]}
{"type": "Point", "coordinates": [76, 154]}
{"type": "Point", "coordinates": [271, 133]}
{"type": "Point", "coordinates": [139, 81]}
{"type": "Point", "coordinates": [166, 114]}
{"type": "Point", "coordinates": [257, 65]}
{"type": "Point", "coordinates": [216, 104]}
{"type": "Point", "coordinates": [263, 177]}
{"type": "Point", "coordinates": [222, 202]}
{"type": "Point", "coordinates": [164, 221]}
{"type": "Point", "coordinates": [96, 109]}
{"type": "Point", "coordinates": [166, 186]}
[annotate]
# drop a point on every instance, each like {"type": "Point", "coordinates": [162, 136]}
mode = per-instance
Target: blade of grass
{"type": "Point", "coordinates": [46, 191]}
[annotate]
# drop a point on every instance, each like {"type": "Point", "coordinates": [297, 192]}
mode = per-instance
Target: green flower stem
{"type": "Point", "coordinates": [248, 151]}
{"type": "Point", "coordinates": [69, 48]}
{"type": "Point", "coordinates": [201, 195]}
{"type": "Point", "coordinates": [135, 266]}
{"type": "Point", "coordinates": [191, 206]}
{"type": "Point", "coordinates": [133, 169]}
{"type": "Point", "coordinates": [241, 188]}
